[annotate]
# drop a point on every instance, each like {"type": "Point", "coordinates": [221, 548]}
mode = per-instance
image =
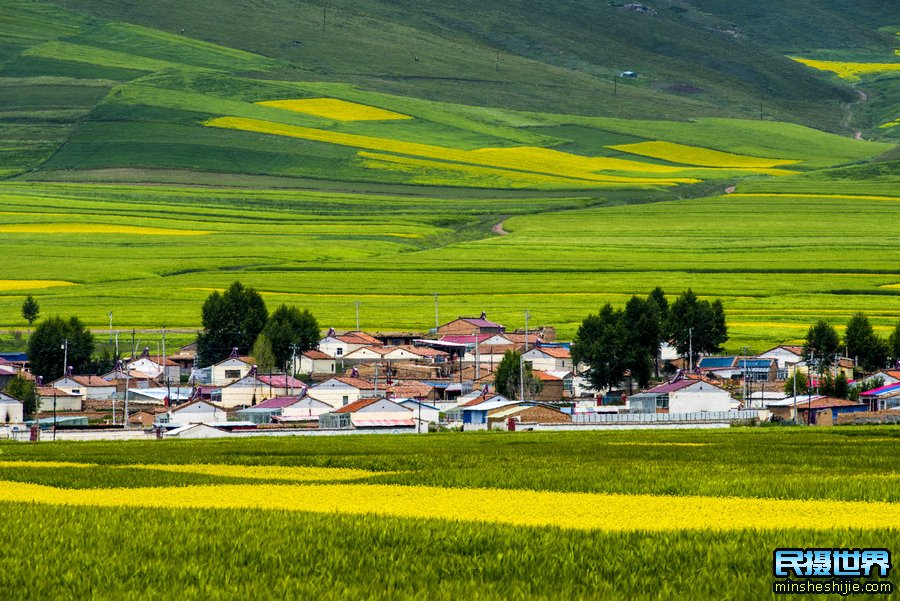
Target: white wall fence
{"type": "Point", "coordinates": [667, 418]}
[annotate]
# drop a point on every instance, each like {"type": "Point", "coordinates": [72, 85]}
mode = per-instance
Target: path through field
{"type": "Point", "coordinates": [848, 114]}
{"type": "Point", "coordinates": [498, 228]}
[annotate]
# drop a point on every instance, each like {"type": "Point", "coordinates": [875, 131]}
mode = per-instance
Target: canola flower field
{"type": "Point", "coordinates": [648, 514]}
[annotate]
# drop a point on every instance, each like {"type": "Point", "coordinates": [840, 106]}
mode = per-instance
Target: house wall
{"type": "Point", "coordinates": [218, 372]}
{"type": "Point", "coordinates": [537, 415]}
{"type": "Point", "coordinates": [542, 362]}
{"type": "Point", "coordinates": [202, 413]}
{"type": "Point", "coordinates": [460, 327]}
{"type": "Point", "coordinates": [305, 365]}
{"type": "Point", "coordinates": [335, 394]}
{"type": "Point", "coordinates": [429, 415]}
{"type": "Point", "coordinates": [699, 398]}
{"type": "Point", "coordinates": [551, 391]}
{"type": "Point", "coordinates": [11, 412]}
{"type": "Point", "coordinates": [243, 394]}
{"type": "Point", "coordinates": [68, 403]}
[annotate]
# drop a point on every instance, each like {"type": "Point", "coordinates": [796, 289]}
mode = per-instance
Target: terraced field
{"type": "Point", "coordinates": [559, 515]}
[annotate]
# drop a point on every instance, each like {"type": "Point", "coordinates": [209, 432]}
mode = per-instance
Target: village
{"type": "Point", "coordinates": [408, 382]}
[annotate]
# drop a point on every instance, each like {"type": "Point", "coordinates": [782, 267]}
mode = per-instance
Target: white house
{"type": "Point", "coordinates": [341, 391]}
{"type": "Point", "coordinates": [304, 410]}
{"type": "Point", "coordinates": [549, 359]}
{"type": "Point", "coordinates": [691, 396]}
{"type": "Point", "coordinates": [314, 362]}
{"type": "Point", "coordinates": [340, 345]}
{"type": "Point", "coordinates": [229, 371]}
{"type": "Point", "coordinates": [784, 356]}
{"type": "Point", "coordinates": [50, 398]}
{"type": "Point", "coordinates": [193, 412]}
{"type": "Point", "coordinates": [197, 431]}
{"type": "Point", "coordinates": [11, 410]}
{"type": "Point", "coordinates": [424, 411]}
{"type": "Point", "coordinates": [253, 389]}
{"type": "Point", "coordinates": [889, 376]}
{"type": "Point", "coordinates": [154, 366]}
{"type": "Point", "coordinates": [369, 413]}
{"type": "Point", "coordinates": [89, 388]}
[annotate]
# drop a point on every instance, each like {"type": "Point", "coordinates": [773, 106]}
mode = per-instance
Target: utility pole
{"type": "Point", "coordinates": [163, 360]}
{"type": "Point", "coordinates": [527, 315]}
{"type": "Point", "coordinates": [436, 321]}
{"type": "Point", "coordinates": [477, 357]}
{"type": "Point", "coordinates": [357, 316]}
{"type": "Point", "coordinates": [521, 378]}
{"type": "Point", "coordinates": [110, 327]}
{"type": "Point", "coordinates": [691, 349]}
{"type": "Point", "coordinates": [65, 347]}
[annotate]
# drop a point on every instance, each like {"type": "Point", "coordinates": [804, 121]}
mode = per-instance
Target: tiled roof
{"type": "Point", "coordinates": [827, 402]}
{"type": "Point", "coordinates": [410, 389]}
{"type": "Point", "coordinates": [281, 381]}
{"type": "Point", "coordinates": [672, 386]}
{"type": "Point", "coordinates": [46, 391]}
{"type": "Point", "coordinates": [359, 338]}
{"type": "Point", "coordinates": [883, 390]}
{"type": "Point", "coordinates": [278, 402]}
{"type": "Point", "coordinates": [546, 377]}
{"type": "Point", "coordinates": [91, 381]}
{"type": "Point", "coordinates": [357, 405]}
{"type": "Point", "coordinates": [555, 352]}
{"type": "Point", "coordinates": [355, 382]}
{"type": "Point", "coordinates": [316, 354]}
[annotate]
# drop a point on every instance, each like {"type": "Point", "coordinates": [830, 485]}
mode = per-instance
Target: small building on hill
{"type": "Point", "coordinates": [471, 325]}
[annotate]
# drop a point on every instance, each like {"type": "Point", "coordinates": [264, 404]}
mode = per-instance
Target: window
{"type": "Point", "coordinates": [76, 391]}
{"type": "Point", "coordinates": [332, 367]}
{"type": "Point", "coordinates": [233, 374]}
{"type": "Point", "coordinates": [338, 351]}
{"type": "Point", "coordinates": [346, 399]}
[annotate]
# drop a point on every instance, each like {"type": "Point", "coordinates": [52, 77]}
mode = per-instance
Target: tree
{"type": "Point", "coordinates": [30, 310]}
{"type": "Point", "coordinates": [509, 374]}
{"type": "Point", "coordinates": [841, 387]}
{"type": "Point", "coordinates": [288, 326]}
{"type": "Point", "coordinates": [25, 391]}
{"type": "Point", "coordinates": [230, 319]}
{"type": "Point", "coordinates": [697, 326]}
{"type": "Point", "coordinates": [822, 344]}
{"type": "Point", "coordinates": [598, 344]}
{"type": "Point", "coordinates": [640, 343]}
{"type": "Point", "coordinates": [800, 379]}
{"type": "Point", "coordinates": [658, 298]}
{"type": "Point", "coordinates": [894, 345]}
{"type": "Point", "coordinates": [263, 355]}
{"type": "Point", "coordinates": [863, 345]}
{"type": "Point", "coordinates": [46, 347]}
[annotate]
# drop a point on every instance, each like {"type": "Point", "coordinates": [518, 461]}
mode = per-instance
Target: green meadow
{"type": "Point", "coordinates": [132, 551]}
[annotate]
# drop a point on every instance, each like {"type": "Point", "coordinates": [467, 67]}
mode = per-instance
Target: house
{"type": "Point", "coordinates": [53, 399]}
{"type": "Point", "coordinates": [412, 390]}
{"type": "Point", "coordinates": [785, 356]}
{"type": "Point", "coordinates": [556, 386]}
{"type": "Point", "coordinates": [492, 354]}
{"type": "Point", "coordinates": [523, 415]}
{"type": "Point", "coordinates": [156, 367]}
{"type": "Point", "coordinates": [758, 369]}
{"type": "Point", "coordinates": [684, 396]}
{"type": "Point", "coordinates": [471, 325]}
{"type": "Point", "coordinates": [8, 371]}
{"type": "Point", "coordinates": [370, 413]}
{"type": "Point", "coordinates": [192, 412]}
{"type": "Point", "coordinates": [254, 388]}
{"type": "Point", "coordinates": [158, 395]}
{"type": "Point", "coordinates": [264, 412]}
{"type": "Point", "coordinates": [397, 338]}
{"type": "Point", "coordinates": [229, 371]}
{"type": "Point", "coordinates": [340, 345]}
{"type": "Point", "coordinates": [12, 411]}
{"type": "Point", "coordinates": [314, 362]}
{"type": "Point", "coordinates": [185, 357]}
{"type": "Point", "coordinates": [549, 358]}
{"type": "Point", "coordinates": [421, 410]}
{"type": "Point", "coordinates": [786, 409]}
{"type": "Point", "coordinates": [306, 409]}
{"type": "Point", "coordinates": [123, 378]}
{"type": "Point", "coordinates": [883, 397]}
{"type": "Point", "coordinates": [342, 390]}
{"type": "Point", "coordinates": [824, 411]}
{"type": "Point", "coordinates": [474, 413]}
{"type": "Point", "coordinates": [142, 418]}
{"type": "Point", "coordinates": [89, 388]}
{"type": "Point", "coordinates": [887, 376]}
{"type": "Point", "coordinates": [197, 431]}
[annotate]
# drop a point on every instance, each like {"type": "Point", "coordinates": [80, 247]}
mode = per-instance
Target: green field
{"type": "Point", "coordinates": [104, 533]}
{"type": "Point", "coordinates": [140, 170]}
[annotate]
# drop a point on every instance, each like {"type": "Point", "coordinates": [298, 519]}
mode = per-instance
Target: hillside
{"type": "Point", "coordinates": [376, 159]}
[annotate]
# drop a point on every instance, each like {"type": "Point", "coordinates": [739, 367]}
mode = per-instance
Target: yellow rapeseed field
{"type": "Point", "coordinates": [32, 284]}
{"type": "Point", "coordinates": [98, 228]}
{"type": "Point", "coordinates": [848, 70]}
{"type": "Point", "coordinates": [704, 157]}
{"type": "Point", "coordinates": [53, 464]}
{"type": "Point", "coordinates": [262, 472]}
{"type": "Point", "coordinates": [333, 108]}
{"type": "Point", "coordinates": [530, 160]}
{"type": "Point", "coordinates": [580, 511]}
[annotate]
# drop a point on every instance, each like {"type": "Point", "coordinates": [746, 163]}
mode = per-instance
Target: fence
{"type": "Point", "coordinates": [664, 418]}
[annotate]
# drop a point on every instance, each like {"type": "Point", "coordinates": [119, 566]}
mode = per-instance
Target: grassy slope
{"type": "Point", "coordinates": [441, 558]}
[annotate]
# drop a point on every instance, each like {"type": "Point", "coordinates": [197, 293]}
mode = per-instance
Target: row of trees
{"type": "Point", "coordinates": [238, 318]}
{"type": "Point", "coordinates": [614, 342]}
{"type": "Point", "coordinates": [860, 342]}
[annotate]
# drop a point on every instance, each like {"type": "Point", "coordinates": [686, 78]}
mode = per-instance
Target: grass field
{"type": "Point", "coordinates": [558, 515]}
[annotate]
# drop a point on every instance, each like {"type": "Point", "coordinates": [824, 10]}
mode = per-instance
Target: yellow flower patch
{"type": "Point", "coordinates": [333, 108]}
{"type": "Point", "coordinates": [53, 464]}
{"type": "Point", "coordinates": [529, 160]}
{"type": "Point", "coordinates": [577, 511]}
{"type": "Point", "coordinates": [847, 70]}
{"type": "Point", "coordinates": [30, 285]}
{"type": "Point", "coordinates": [703, 157]}
{"type": "Point", "coordinates": [100, 228]}
{"type": "Point", "coordinates": [263, 472]}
